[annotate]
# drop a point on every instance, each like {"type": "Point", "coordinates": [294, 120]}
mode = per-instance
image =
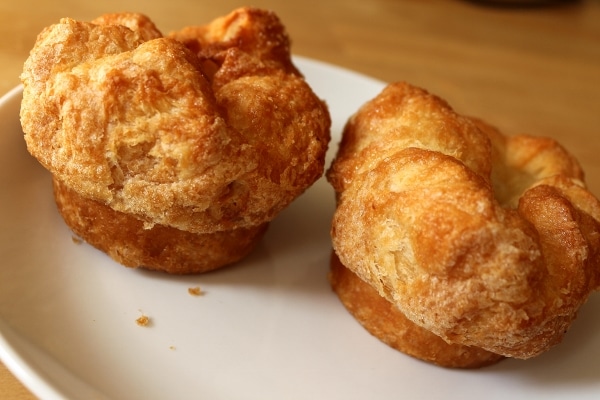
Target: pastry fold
{"type": "Point", "coordinates": [482, 239]}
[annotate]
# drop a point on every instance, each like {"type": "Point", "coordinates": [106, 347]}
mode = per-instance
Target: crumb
{"type": "Point", "coordinates": [195, 291]}
{"type": "Point", "coordinates": [171, 347]}
{"type": "Point", "coordinates": [143, 320]}
{"type": "Point", "coordinates": [76, 240]}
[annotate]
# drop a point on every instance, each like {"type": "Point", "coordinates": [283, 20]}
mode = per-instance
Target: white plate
{"type": "Point", "coordinates": [266, 328]}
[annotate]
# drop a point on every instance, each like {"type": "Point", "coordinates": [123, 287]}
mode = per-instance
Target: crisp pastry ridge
{"type": "Point", "coordinates": [482, 239]}
{"type": "Point", "coordinates": [202, 142]}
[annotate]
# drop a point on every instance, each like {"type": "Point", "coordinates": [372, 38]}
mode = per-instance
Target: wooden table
{"type": "Point", "coordinates": [533, 70]}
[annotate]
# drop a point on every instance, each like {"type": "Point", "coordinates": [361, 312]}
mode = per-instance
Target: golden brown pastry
{"type": "Point", "coordinates": [163, 248]}
{"type": "Point", "coordinates": [144, 128]}
{"type": "Point", "coordinates": [246, 57]}
{"type": "Point", "coordinates": [386, 322]}
{"type": "Point", "coordinates": [481, 239]}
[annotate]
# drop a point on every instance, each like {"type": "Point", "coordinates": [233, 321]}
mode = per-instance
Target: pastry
{"type": "Point", "coordinates": [386, 322]}
{"type": "Point", "coordinates": [156, 137]}
{"type": "Point", "coordinates": [484, 240]}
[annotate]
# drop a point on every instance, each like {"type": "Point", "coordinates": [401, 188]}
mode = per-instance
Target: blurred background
{"type": "Point", "coordinates": [526, 67]}
{"type": "Point", "coordinates": [471, 53]}
{"type": "Point", "coordinates": [477, 55]}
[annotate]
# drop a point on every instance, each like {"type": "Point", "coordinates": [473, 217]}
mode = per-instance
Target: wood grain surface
{"type": "Point", "coordinates": [524, 69]}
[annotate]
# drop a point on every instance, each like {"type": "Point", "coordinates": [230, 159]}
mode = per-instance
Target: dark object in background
{"type": "Point", "coordinates": [523, 3]}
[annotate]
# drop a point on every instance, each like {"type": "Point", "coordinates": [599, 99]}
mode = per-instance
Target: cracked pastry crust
{"type": "Point", "coordinates": [203, 142]}
{"type": "Point", "coordinates": [482, 239]}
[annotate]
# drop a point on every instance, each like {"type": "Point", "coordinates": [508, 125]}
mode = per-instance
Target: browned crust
{"type": "Point", "coordinates": [192, 142]}
{"type": "Point", "coordinates": [213, 137]}
{"type": "Point", "coordinates": [162, 248]}
{"type": "Point", "coordinates": [384, 321]}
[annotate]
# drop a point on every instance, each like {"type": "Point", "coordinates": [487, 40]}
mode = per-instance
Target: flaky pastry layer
{"type": "Point", "coordinates": [483, 239]}
{"type": "Point", "coordinates": [210, 137]}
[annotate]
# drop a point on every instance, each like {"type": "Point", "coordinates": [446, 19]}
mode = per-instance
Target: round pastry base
{"type": "Point", "coordinates": [126, 239]}
{"type": "Point", "coordinates": [384, 321]}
